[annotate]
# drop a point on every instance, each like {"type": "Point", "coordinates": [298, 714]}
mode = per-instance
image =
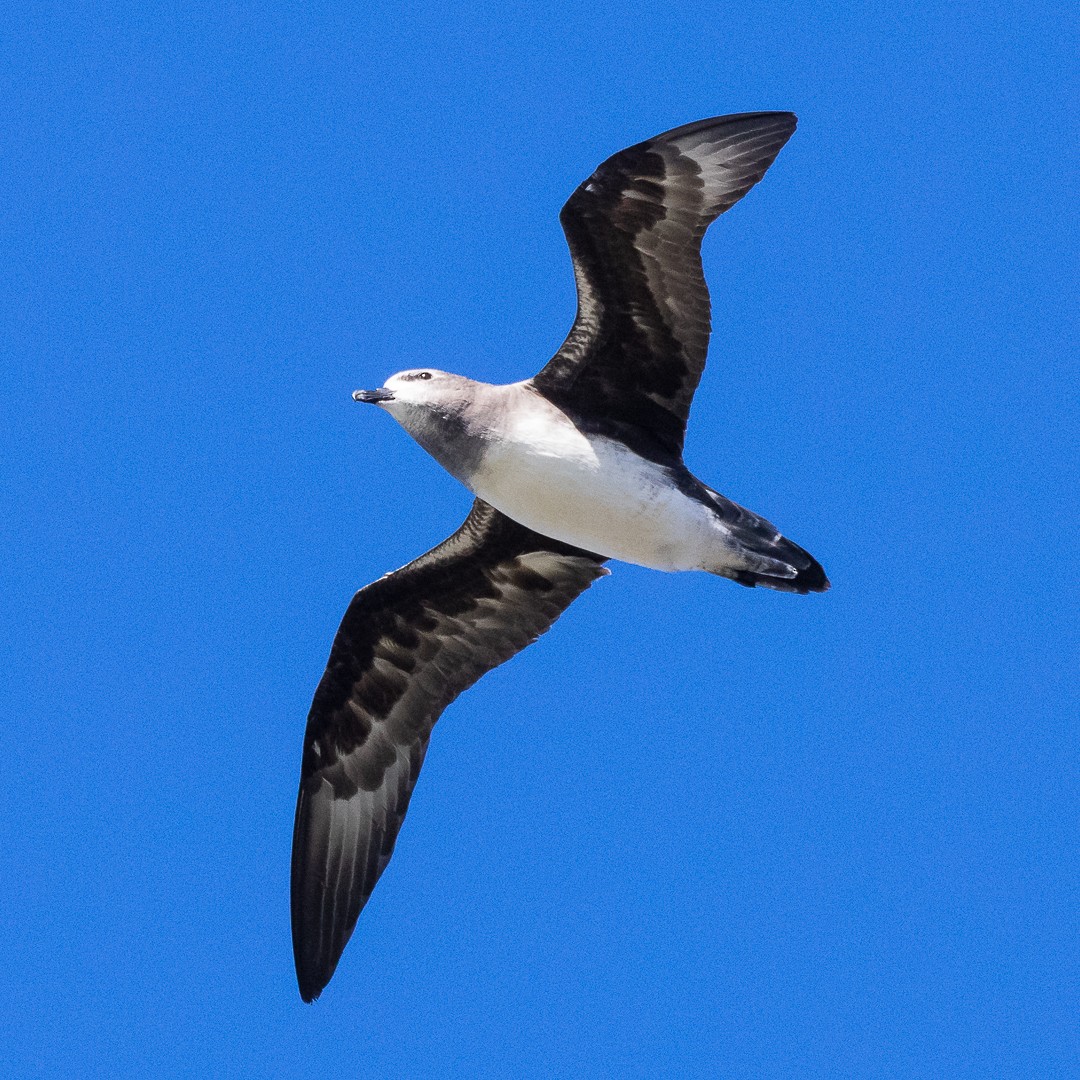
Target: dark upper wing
{"type": "Point", "coordinates": [637, 348]}
{"type": "Point", "coordinates": [408, 645]}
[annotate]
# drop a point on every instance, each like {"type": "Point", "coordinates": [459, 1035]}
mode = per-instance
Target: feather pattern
{"type": "Point", "coordinates": [408, 645]}
{"type": "Point", "coordinates": [636, 351]}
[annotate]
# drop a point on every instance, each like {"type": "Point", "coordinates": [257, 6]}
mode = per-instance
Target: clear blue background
{"type": "Point", "coordinates": [698, 831]}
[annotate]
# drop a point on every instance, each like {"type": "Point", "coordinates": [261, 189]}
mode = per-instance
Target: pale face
{"type": "Point", "coordinates": [432, 407]}
{"type": "Point", "coordinates": [421, 386]}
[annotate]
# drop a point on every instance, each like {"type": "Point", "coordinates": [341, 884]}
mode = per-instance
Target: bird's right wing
{"type": "Point", "coordinates": [408, 645]}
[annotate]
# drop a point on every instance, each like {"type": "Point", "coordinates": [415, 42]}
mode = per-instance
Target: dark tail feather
{"type": "Point", "coordinates": [808, 579]}
{"type": "Point", "coordinates": [771, 560]}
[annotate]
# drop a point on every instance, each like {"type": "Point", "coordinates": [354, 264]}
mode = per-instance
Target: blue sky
{"type": "Point", "coordinates": [698, 830]}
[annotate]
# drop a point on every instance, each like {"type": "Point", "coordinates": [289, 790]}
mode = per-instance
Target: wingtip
{"type": "Point", "coordinates": [312, 974]}
{"type": "Point", "coordinates": [788, 120]}
{"type": "Point", "coordinates": [310, 988]}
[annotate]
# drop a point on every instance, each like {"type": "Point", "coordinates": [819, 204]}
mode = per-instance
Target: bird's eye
{"type": "Point", "coordinates": [423, 374]}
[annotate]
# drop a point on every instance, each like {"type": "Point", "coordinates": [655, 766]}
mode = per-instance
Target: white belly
{"type": "Point", "coordinates": [595, 494]}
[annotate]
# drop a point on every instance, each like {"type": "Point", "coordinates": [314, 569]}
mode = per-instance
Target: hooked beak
{"type": "Point", "coordinates": [373, 397]}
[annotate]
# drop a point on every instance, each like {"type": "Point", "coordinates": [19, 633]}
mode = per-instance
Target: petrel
{"type": "Point", "coordinates": [579, 464]}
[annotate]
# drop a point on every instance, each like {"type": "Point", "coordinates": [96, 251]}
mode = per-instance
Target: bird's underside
{"type": "Point", "coordinates": [413, 640]}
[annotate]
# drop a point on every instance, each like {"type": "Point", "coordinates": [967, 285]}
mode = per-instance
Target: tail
{"type": "Point", "coordinates": [758, 555]}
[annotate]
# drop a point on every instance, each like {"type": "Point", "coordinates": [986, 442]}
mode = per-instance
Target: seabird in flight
{"type": "Point", "coordinates": [580, 464]}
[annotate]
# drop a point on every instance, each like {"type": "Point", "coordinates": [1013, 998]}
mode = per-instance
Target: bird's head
{"type": "Point", "coordinates": [439, 410]}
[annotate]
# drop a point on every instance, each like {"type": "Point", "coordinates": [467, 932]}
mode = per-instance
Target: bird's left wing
{"type": "Point", "coordinates": [408, 645]}
{"type": "Point", "coordinates": [637, 348]}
